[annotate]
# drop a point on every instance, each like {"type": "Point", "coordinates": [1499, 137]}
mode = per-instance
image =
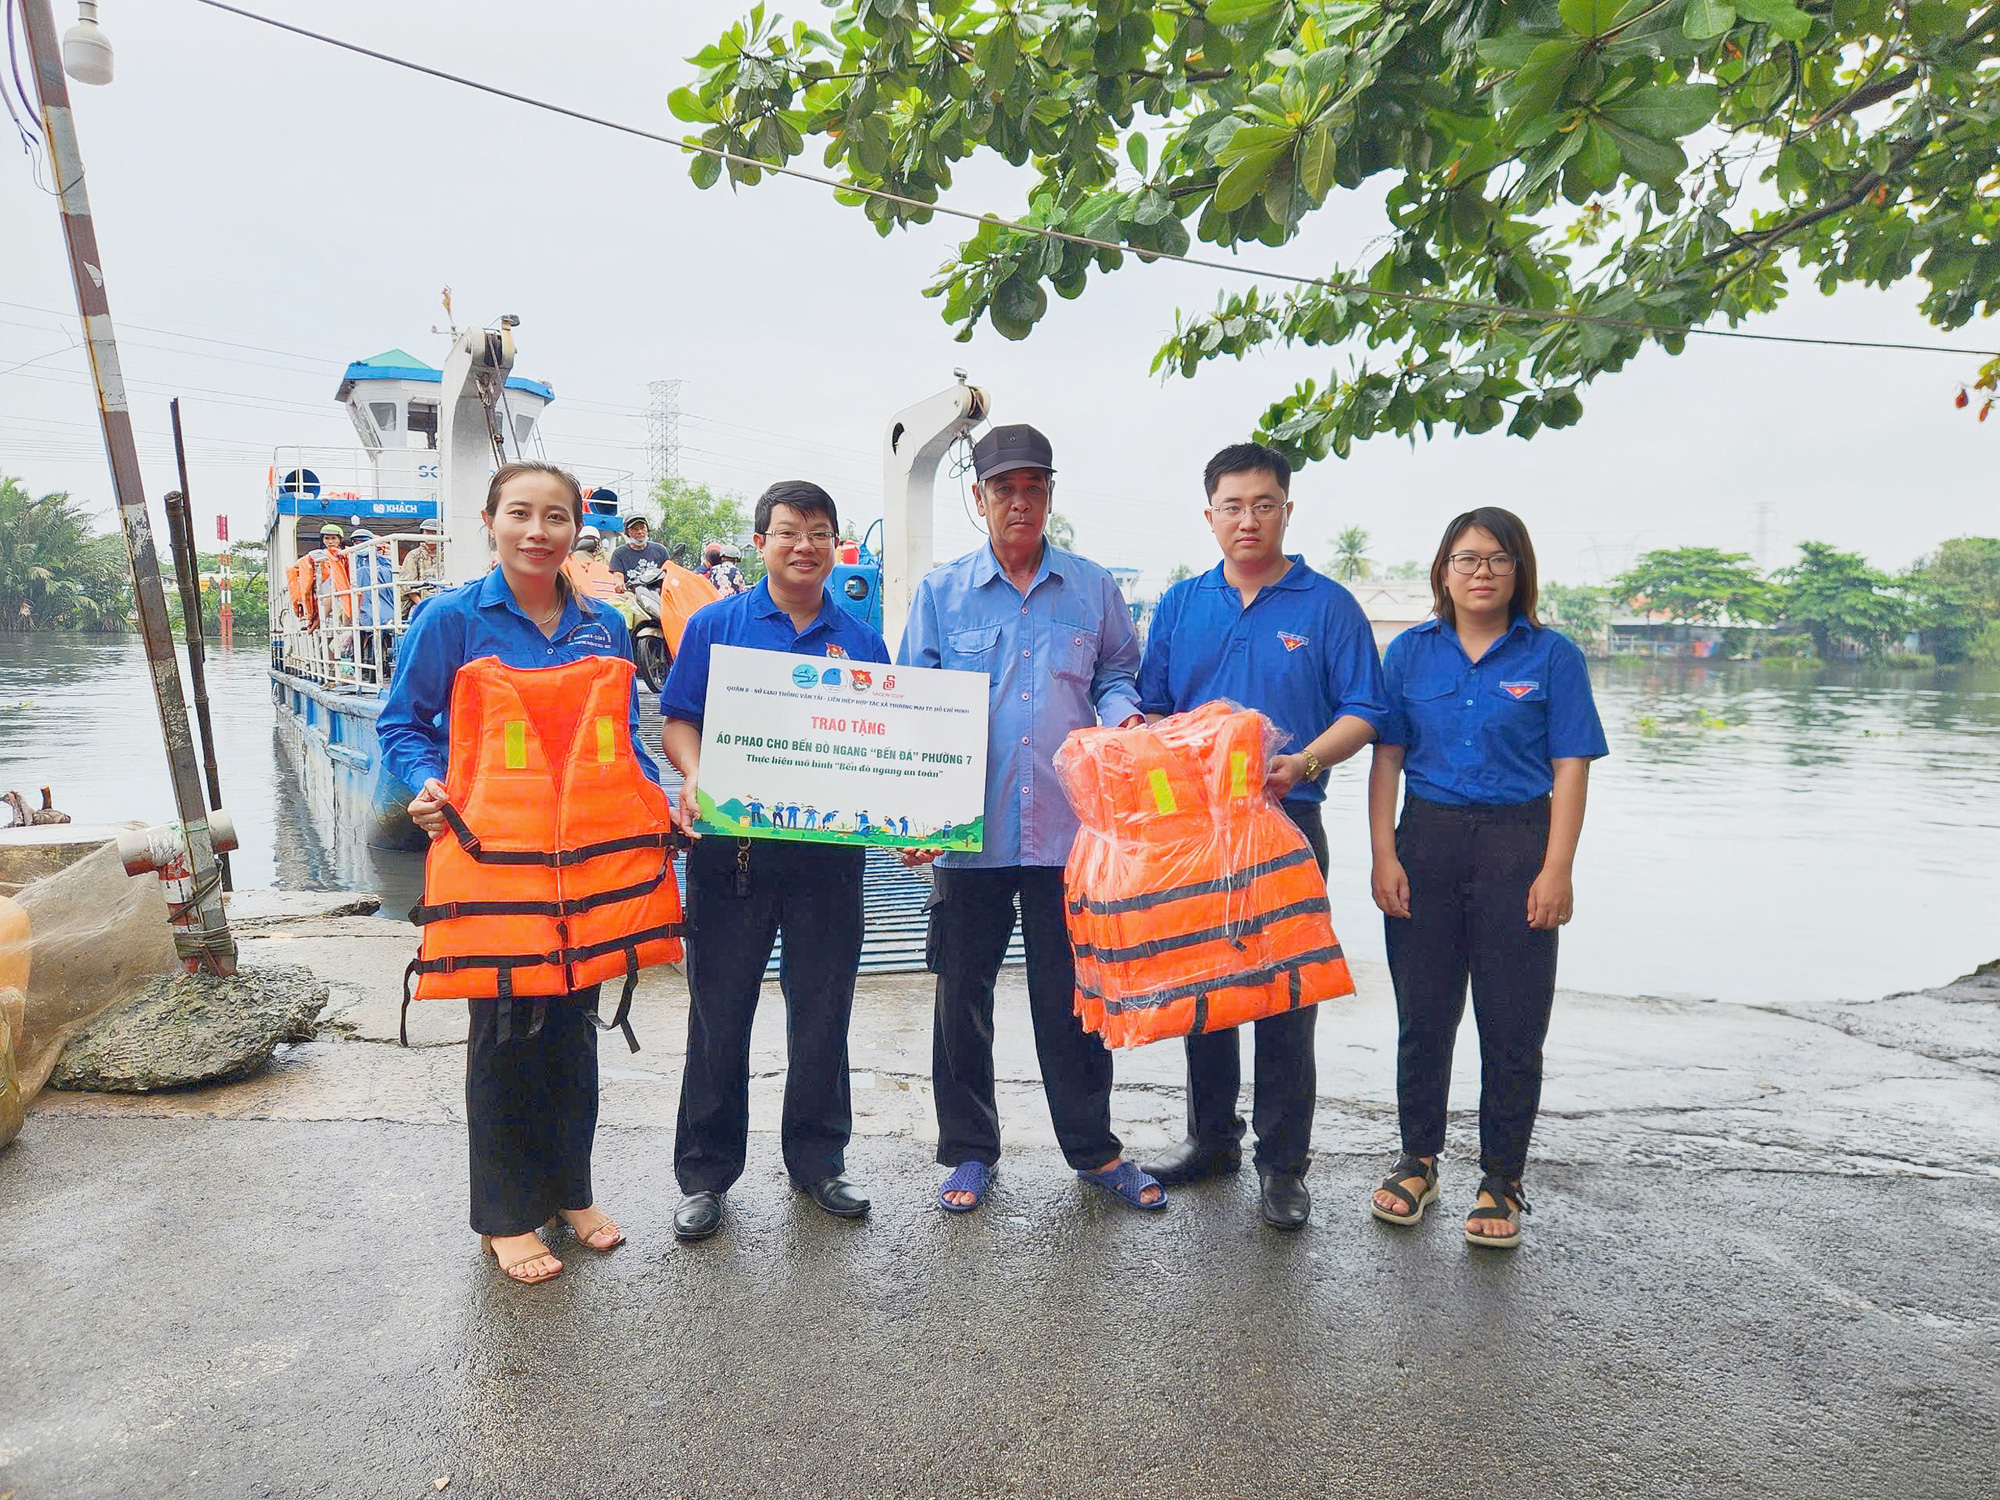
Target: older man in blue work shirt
{"type": "Point", "coordinates": [1264, 630]}
{"type": "Point", "coordinates": [1055, 639]}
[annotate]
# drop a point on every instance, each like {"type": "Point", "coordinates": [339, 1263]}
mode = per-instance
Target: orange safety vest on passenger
{"type": "Point", "coordinates": [557, 873]}
{"type": "Point", "coordinates": [299, 582]}
{"type": "Point", "coordinates": [1194, 904]}
{"type": "Point", "coordinates": [592, 577]}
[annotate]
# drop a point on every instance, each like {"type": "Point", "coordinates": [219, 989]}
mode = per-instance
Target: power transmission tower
{"type": "Point", "coordinates": [663, 432]}
{"type": "Point", "coordinates": [1760, 548]}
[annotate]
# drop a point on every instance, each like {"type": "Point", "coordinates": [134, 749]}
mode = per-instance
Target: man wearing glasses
{"type": "Point", "coordinates": [1264, 630]}
{"type": "Point", "coordinates": [1055, 640]}
{"type": "Point", "coordinates": [741, 893]}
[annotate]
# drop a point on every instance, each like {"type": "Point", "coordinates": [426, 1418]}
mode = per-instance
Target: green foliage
{"type": "Point", "coordinates": [1835, 597]}
{"type": "Point", "coordinates": [55, 573]}
{"type": "Point", "coordinates": [1955, 595]}
{"type": "Point", "coordinates": [687, 516]}
{"type": "Point", "coordinates": [1409, 569]}
{"type": "Point", "coordinates": [1651, 164]}
{"type": "Point", "coordinates": [1786, 648]}
{"type": "Point", "coordinates": [1984, 648]}
{"type": "Point", "coordinates": [1181, 571]}
{"type": "Point", "coordinates": [1351, 562]}
{"type": "Point", "coordinates": [1695, 585]}
{"type": "Point", "coordinates": [1061, 532]}
{"type": "Point", "coordinates": [1577, 610]}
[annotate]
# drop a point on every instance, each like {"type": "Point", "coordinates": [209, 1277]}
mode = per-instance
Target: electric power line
{"type": "Point", "coordinates": [1346, 288]}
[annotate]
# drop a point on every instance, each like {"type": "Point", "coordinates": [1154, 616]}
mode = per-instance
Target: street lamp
{"type": "Point", "coordinates": [86, 50]}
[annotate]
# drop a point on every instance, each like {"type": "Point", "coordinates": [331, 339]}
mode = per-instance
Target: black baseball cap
{"type": "Point", "coordinates": [1017, 447]}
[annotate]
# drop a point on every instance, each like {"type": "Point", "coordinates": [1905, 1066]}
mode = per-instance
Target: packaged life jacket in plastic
{"type": "Point", "coordinates": [1194, 904]}
{"type": "Point", "coordinates": [557, 870]}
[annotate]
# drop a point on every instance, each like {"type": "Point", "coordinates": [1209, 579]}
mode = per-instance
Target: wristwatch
{"type": "Point", "coordinates": [1314, 770]}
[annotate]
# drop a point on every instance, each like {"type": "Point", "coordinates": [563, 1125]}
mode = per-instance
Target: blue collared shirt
{"type": "Point", "coordinates": [1301, 653]}
{"type": "Point", "coordinates": [1485, 733]}
{"type": "Point", "coordinates": [755, 620]}
{"type": "Point", "coordinates": [1061, 657]}
{"type": "Point", "coordinates": [462, 625]}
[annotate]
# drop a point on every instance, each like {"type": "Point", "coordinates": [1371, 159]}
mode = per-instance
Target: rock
{"type": "Point", "coordinates": [187, 1029]}
{"type": "Point", "coordinates": [253, 910]}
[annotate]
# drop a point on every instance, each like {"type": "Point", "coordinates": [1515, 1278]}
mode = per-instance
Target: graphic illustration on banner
{"type": "Point", "coordinates": [818, 750]}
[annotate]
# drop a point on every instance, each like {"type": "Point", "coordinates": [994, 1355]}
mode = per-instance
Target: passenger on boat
{"type": "Point", "coordinates": [422, 568]}
{"type": "Point", "coordinates": [531, 1092]}
{"type": "Point", "coordinates": [1492, 728]}
{"type": "Point", "coordinates": [588, 571]}
{"type": "Point", "coordinates": [637, 548]}
{"type": "Point", "coordinates": [374, 595]}
{"type": "Point", "coordinates": [743, 892]}
{"type": "Point", "coordinates": [1263, 630]}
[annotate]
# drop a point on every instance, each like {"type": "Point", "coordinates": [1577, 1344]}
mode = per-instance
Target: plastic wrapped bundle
{"type": "Point", "coordinates": [1193, 902]}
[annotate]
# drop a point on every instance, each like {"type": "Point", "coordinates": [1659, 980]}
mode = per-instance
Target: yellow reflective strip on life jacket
{"type": "Point", "coordinates": [607, 739]}
{"type": "Point", "coordinates": [514, 737]}
{"type": "Point", "coordinates": [1239, 774]}
{"type": "Point", "coordinates": [1163, 792]}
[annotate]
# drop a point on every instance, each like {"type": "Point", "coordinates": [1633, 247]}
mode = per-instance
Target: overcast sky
{"type": "Point", "coordinates": [269, 209]}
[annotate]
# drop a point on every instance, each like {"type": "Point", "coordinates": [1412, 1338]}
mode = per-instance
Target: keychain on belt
{"type": "Point", "coordinates": [743, 867]}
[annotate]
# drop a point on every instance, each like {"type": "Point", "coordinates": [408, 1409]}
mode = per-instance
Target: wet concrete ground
{"type": "Point", "coordinates": [1761, 1263]}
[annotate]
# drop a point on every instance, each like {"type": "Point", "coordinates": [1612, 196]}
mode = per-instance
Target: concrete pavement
{"type": "Point", "coordinates": [1761, 1263]}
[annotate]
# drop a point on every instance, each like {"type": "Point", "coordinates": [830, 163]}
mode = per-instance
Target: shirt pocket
{"type": "Point", "coordinates": [1073, 652]}
{"type": "Point", "coordinates": [971, 650]}
{"type": "Point", "coordinates": [1533, 690]}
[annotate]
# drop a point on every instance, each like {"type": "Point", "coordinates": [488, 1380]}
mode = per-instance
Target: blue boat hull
{"type": "Point", "coordinates": [351, 798]}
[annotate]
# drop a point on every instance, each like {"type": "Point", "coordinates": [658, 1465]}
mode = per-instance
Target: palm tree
{"type": "Point", "coordinates": [54, 573]}
{"type": "Point", "coordinates": [1351, 561]}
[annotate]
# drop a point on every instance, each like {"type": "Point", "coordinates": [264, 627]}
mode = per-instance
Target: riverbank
{"type": "Point", "coordinates": [1758, 1266]}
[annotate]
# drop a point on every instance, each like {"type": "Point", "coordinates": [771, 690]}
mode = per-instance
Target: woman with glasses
{"type": "Point", "coordinates": [1492, 724]}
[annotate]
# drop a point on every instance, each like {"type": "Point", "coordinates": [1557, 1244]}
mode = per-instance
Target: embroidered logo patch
{"type": "Point", "coordinates": [1518, 689]}
{"type": "Point", "coordinates": [834, 650]}
{"type": "Point", "coordinates": [1292, 642]}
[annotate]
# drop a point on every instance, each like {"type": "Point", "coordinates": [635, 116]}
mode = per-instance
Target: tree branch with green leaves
{"type": "Point", "coordinates": [1544, 219]}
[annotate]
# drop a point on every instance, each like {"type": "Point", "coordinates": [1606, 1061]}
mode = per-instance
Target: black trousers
{"type": "Point", "coordinates": [1285, 1083]}
{"type": "Point", "coordinates": [812, 894]}
{"type": "Point", "coordinates": [530, 1111]}
{"type": "Point", "coordinates": [1470, 869]}
{"type": "Point", "coordinates": [972, 921]}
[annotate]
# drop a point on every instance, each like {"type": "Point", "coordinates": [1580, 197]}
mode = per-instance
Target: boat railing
{"type": "Point", "coordinates": [340, 622]}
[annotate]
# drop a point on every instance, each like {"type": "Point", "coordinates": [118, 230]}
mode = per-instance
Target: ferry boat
{"type": "Point", "coordinates": [409, 500]}
{"type": "Point", "coordinates": [408, 503]}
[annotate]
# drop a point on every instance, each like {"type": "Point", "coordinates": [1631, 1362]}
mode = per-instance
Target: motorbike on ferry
{"type": "Point", "coordinates": [662, 597]}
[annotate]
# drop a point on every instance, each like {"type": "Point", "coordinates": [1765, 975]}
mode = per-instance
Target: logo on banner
{"type": "Point", "coordinates": [830, 677]}
{"type": "Point", "coordinates": [1518, 689]}
{"type": "Point", "coordinates": [1292, 642]}
{"type": "Point", "coordinates": [860, 680]}
{"type": "Point", "coordinates": [805, 676]}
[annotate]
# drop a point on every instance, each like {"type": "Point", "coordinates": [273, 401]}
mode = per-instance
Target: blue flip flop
{"type": "Point", "coordinates": [1126, 1182]}
{"type": "Point", "coordinates": [967, 1177]}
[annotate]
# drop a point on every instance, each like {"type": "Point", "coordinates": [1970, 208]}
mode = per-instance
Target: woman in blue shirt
{"type": "Point", "coordinates": [530, 1100]}
{"type": "Point", "coordinates": [1492, 725]}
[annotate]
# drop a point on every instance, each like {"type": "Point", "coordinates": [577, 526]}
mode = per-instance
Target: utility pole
{"type": "Point", "coordinates": [663, 433]}
{"type": "Point", "coordinates": [201, 931]}
{"type": "Point", "coordinates": [1763, 510]}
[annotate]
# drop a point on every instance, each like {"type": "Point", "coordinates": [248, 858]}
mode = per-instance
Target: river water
{"type": "Point", "coordinates": [1756, 834]}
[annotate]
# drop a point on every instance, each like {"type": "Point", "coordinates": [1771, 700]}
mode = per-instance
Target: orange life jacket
{"type": "Point", "coordinates": [592, 577]}
{"type": "Point", "coordinates": [1194, 904]}
{"type": "Point", "coordinates": [557, 873]}
{"type": "Point", "coordinates": [299, 582]}
{"type": "Point", "coordinates": [682, 592]}
{"type": "Point", "coordinates": [330, 567]}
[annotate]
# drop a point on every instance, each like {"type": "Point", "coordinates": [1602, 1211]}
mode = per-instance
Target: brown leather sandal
{"type": "Point", "coordinates": [590, 1240]}
{"type": "Point", "coordinates": [511, 1269]}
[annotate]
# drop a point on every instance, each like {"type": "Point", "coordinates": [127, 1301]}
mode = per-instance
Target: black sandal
{"type": "Point", "coordinates": [1413, 1213]}
{"type": "Point", "coordinates": [1502, 1192]}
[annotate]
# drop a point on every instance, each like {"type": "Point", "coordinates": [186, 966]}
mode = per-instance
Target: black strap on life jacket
{"type": "Point", "coordinates": [1200, 991]}
{"type": "Point", "coordinates": [623, 1019]}
{"type": "Point", "coordinates": [504, 983]}
{"type": "Point", "coordinates": [1230, 932]}
{"type": "Point", "coordinates": [445, 911]}
{"type": "Point", "coordinates": [1232, 882]}
{"type": "Point", "coordinates": [555, 858]}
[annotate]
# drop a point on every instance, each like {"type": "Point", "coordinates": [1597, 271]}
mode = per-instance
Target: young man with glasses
{"type": "Point", "coordinates": [741, 893]}
{"type": "Point", "coordinates": [1264, 630]}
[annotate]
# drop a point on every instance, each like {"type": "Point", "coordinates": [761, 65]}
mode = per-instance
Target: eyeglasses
{"type": "Point", "coordinates": [1500, 564]}
{"type": "Point", "coordinates": [1264, 510]}
{"type": "Point", "coordinates": [790, 538]}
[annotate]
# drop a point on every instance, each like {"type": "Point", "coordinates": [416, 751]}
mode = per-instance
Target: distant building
{"type": "Point", "coordinates": [1393, 605]}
